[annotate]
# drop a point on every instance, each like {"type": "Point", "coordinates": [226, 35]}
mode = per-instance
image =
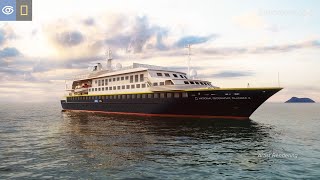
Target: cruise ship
{"type": "Point", "coordinates": [148, 90]}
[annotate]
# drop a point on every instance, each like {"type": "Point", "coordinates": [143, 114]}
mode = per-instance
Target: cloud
{"type": "Point", "coordinates": [79, 45]}
{"type": "Point", "coordinates": [287, 47]}
{"type": "Point", "coordinates": [250, 20]}
{"type": "Point", "coordinates": [229, 51]}
{"type": "Point", "coordinates": [89, 22]}
{"type": "Point", "coordinates": [2, 37]}
{"type": "Point", "coordinates": [225, 52]}
{"type": "Point", "coordinates": [231, 74]}
{"type": "Point", "coordinates": [9, 52]}
{"type": "Point", "coordinates": [71, 38]}
{"type": "Point", "coordinates": [142, 35]}
{"type": "Point", "coordinates": [6, 33]}
{"type": "Point", "coordinates": [14, 74]}
{"type": "Point", "coordinates": [116, 31]}
{"type": "Point", "coordinates": [182, 42]}
{"type": "Point", "coordinates": [44, 65]}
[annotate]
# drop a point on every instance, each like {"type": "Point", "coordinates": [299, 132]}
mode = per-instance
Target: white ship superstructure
{"type": "Point", "coordinates": [133, 79]}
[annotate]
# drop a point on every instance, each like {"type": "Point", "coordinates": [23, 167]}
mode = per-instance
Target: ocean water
{"type": "Point", "coordinates": [38, 141]}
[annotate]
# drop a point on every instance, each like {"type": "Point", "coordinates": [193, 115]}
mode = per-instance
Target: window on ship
{"type": "Point", "coordinates": [185, 94]}
{"type": "Point", "coordinates": [131, 79]}
{"type": "Point", "coordinates": [141, 78]}
{"type": "Point", "coordinates": [159, 74]}
{"type": "Point", "coordinates": [136, 78]}
{"type": "Point", "coordinates": [168, 82]}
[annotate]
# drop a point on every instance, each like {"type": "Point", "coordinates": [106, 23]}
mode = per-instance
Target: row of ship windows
{"type": "Point", "coordinates": [174, 75]}
{"type": "Point", "coordinates": [196, 82]}
{"type": "Point", "coordinates": [133, 78]}
{"type": "Point", "coordinates": [132, 86]}
{"type": "Point", "coordinates": [132, 96]}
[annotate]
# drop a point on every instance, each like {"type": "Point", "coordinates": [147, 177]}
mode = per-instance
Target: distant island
{"type": "Point", "coordinates": [300, 100]}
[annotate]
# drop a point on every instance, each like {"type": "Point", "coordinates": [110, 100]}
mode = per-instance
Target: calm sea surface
{"type": "Point", "coordinates": [38, 141]}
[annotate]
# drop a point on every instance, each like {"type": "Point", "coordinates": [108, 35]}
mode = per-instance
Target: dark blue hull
{"type": "Point", "coordinates": [213, 103]}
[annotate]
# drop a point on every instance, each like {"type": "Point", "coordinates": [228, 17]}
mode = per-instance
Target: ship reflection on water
{"type": "Point", "coordinates": [101, 141]}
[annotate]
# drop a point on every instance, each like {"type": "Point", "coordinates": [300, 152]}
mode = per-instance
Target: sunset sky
{"type": "Point", "coordinates": [233, 43]}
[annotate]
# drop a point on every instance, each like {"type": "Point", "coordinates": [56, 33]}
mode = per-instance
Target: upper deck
{"type": "Point", "coordinates": [135, 67]}
{"type": "Point", "coordinates": [136, 78]}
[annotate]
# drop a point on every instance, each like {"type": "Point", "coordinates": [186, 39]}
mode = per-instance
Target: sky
{"type": "Point", "coordinates": [233, 43]}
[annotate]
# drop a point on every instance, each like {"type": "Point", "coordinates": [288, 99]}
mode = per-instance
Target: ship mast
{"type": "Point", "coordinates": [109, 59]}
{"type": "Point", "coordinates": [189, 59]}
